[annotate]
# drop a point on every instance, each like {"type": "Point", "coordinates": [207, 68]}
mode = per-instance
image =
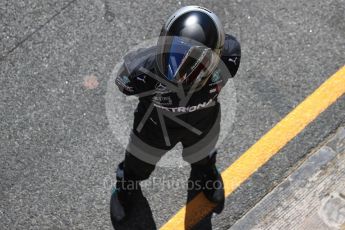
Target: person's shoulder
{"type": "Point", "coordinates": [231, 47]}
{"type": "Point", "coordinates": [141, 58]}
{"type": "Point", "coordinates": [231, 55]}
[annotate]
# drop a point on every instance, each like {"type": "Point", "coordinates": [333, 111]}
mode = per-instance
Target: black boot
{"type": "Point", "coordinates": [120, 200]}
{"type": "Point", "coordinates": [206, 172]}
{"type": "Point", "coordinates": [117, 206]}
{"type": "Point", "coordinates": [213, 185]}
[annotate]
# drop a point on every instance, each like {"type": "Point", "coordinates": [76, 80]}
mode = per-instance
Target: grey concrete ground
{"type": "Point", "coordinates": [311, 198]}
{"type": "Point", "coordinates": [58, 151]}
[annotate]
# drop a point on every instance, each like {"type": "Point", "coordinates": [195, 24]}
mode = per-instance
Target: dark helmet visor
{"type": "Point", "coordinates": [186, 61]}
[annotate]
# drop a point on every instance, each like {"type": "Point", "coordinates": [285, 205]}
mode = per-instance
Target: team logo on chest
{"type": "Point", "coordinates": [160, 88]}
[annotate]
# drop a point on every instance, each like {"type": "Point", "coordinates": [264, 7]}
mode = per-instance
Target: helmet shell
{"type": "Point", "coordinates": [190, 45]}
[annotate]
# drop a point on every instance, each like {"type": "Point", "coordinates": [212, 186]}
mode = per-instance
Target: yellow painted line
{"type": "Point", "coordinates": [258, 154]}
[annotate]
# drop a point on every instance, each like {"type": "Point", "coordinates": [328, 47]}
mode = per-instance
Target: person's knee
{"type": "Point", "coordinates": [206, 162]}
{"type": "Point", "coordinates": [136, 169]}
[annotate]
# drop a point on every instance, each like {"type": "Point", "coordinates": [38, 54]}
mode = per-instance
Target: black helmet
{"type": "Point", "coordinates": [189, 46]}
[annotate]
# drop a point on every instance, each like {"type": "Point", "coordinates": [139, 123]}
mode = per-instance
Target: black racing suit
{"type": "Point", "coordinates": [166, 115]}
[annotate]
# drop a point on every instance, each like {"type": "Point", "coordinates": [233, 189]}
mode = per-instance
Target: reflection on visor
{"type": "Point", "coordinates": [178, 50]}
{"type": "Point", "coordinates": [188, 62]}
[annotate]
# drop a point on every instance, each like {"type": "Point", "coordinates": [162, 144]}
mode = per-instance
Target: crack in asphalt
{"type": "Point", "coordinates": [35, 31]}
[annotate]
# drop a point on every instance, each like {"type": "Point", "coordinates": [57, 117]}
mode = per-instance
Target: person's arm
{"type": "Point", "coordinates": [124, 82]}
{"type": "Point", "coordinates": [230, 61]}
{"type": "Point", "coordinates": [231, 55]}
{"type": "Point", "coordinates": [131, 83]}
{"type": "Point", "coordinates": [130, 80]}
